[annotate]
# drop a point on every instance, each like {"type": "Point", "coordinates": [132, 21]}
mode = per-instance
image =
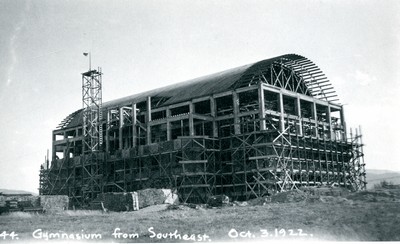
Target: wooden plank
{"type": "Point", "coordinates": [191, 186]}
{"type": "Point", "coordinates": [192, 161]}
{"type": "Point", "coordinates": [264, 144]}
{"type": "Point", "coordinates": [203, 117]}
{"type": "Point", "coordinates": [196, 174]}
{"type": "Point", "coordinates": [263, 157]}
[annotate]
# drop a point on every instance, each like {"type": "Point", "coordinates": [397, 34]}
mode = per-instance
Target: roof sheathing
{"type": "Point", "coordinates": [187, 90]}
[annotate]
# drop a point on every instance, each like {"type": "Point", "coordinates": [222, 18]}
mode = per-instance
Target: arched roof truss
{"type": "Point", "coordinates": [291, 72]}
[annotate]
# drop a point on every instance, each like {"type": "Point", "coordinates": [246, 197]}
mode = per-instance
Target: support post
{"type": "Point", "coordinates": [191, 123]}
{"type": "Point", "coordinates": [261, 101]}
{"type": "Point", "coordinates": [213, 108]}
{"type": "Point", "coordinates": [342, 119]}
{"type": "Point", "coordinates": [300, 121]}
{"type": "Point", "coordinates": [148, 119]}
{"type": "Point", "coordinates": [330, 123]}
{"type": "Point", "coordinates": [236, 120]}
{"type": "Point", "coordinates": [53, 149]}
{"type": "Point", "coordinates": [282, 111]}
{"type": "Point", "coordinates": [107, 132]}
{"type": "Point", "coordinates": [168, 114]}
{"type": "Point", "coordinates": [134, 123]}
{"type": "Point", "coordinates": [121, 124]}
{"type": "Point", "coordinates": [315, 118]}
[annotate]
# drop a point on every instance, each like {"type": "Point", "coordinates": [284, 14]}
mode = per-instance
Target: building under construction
{"type": "Point", "coordinates": [246, 132]}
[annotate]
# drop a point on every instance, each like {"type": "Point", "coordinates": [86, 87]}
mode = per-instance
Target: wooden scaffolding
{"type": "Point", "coordinates": [270, 126]}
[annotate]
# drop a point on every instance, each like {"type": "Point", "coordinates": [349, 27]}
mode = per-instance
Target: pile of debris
{"type": "Point", "coordinates": [218, 201]}
{"type": "Point", "coordinates": [131, 201]}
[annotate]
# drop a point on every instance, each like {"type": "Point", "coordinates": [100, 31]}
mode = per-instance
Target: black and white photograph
{"type": "Point", "coordinates": [172, 121]}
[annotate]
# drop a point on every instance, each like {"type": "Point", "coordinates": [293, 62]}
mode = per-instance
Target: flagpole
{"type": "Point", "coordinates": [90, 59]}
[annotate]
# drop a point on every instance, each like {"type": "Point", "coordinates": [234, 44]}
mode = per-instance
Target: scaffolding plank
{"type": "Point", "coordinates": [197, 185]}
{"type": "Point", "coordinates": [263, 157]}
{"type": "Point", "coordinates": [193, 161]}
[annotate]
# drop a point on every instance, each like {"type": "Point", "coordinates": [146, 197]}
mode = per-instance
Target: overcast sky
{"type": "Point", "coordinates": [145, 44]}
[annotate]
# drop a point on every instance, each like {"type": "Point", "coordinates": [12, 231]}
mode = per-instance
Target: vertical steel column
{"type": "Point", "coordinates": [342, 119]}
{"type": "Point", "coordinates": [330, 123]}
{"type": "Point", "coordinates": [53, 152]}
{"type": "Point", "coordinates": [107, 132]}
{"type": "Point", "coordinates": [236, 120]}
{"type": "Point", "coordinates": [298, 108]}
{"type": "Point", "coordinates": [134, 123]}
{"type": "Point", "coordinates": [148, 119]}
{"type": "Point", "coordinates": [191, 123]}
{"type": "Point", "coordinates": [315, 118]}
{"type": "Point", "coordinates": [282, 111]}
{"type": "Point", "coordinates": [121, 124]}
{"type": "Point", "coordinates": [213, 107]}
{"type": "Point", "coordinates": [168, 114]}
{"type": "Point", "coordinates": [261, 102]}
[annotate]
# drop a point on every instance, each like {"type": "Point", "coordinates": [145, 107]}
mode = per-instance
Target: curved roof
{"type": "Point", "coordinates": [290, 71]}
{"type": "Point", "coordinates": [187, 90]}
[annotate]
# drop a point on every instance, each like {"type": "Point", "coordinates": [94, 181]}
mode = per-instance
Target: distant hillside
{"type": "Point", "coordinates": [374, 176]}
{"type": "Point", "coordinates": [8, 191]}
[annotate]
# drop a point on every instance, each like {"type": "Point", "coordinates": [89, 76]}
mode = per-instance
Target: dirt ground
{"type": "Point", "coordinates": [364, 216]}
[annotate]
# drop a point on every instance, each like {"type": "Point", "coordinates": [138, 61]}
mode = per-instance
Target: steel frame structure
{"type": "Point", "coordinates": [277, 127]}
